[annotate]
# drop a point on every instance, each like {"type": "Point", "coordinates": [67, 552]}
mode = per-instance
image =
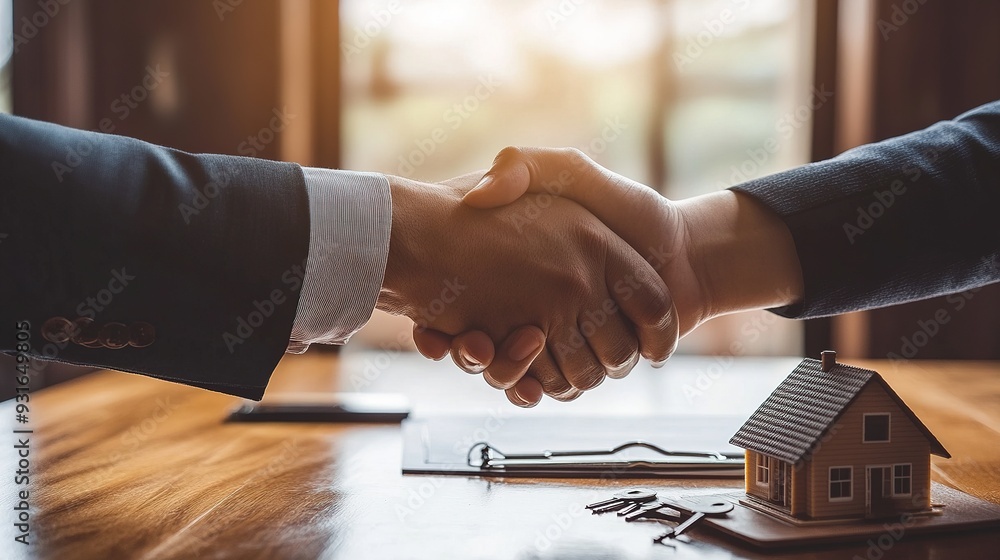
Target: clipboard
{"type": "Point", "coordinates": [694, 446]}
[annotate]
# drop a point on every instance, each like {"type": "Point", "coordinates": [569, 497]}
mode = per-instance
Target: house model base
{"type": "Point", "coordinates": [833, 444]}
{"type": "Point", "coordinates": [763, 528]}
{"type": "Point", "coordinates": [763, 507]}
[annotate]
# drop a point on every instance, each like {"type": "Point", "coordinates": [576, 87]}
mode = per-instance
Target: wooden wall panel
{"type": "Point", "coordinates": [939, 61]}
{"type": "Point", "coordinates": [845, 448]}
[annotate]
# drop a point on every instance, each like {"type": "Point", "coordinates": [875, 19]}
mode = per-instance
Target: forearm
{"type": "Point", "coordinates": [904, 219]}
{"type": "Point", "coordinates": [743, 253]}
{"type": "Point", "coordinates": [198, 246]}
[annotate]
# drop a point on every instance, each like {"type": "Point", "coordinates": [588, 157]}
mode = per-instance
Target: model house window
{"type": "Point", "coordinates": [763, 473]}
{"type": "Point", "coordinates": [876, 427]}
{"type": "Point", "coordinates": [840, 483]}
{"type": "Point", "coordinates": [901, 480]}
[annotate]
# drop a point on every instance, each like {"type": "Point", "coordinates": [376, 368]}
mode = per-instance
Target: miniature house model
{"type": "Point", "coordinates": [835, 441]}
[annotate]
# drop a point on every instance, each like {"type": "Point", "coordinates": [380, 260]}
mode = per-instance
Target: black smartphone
{"type": "Point", "coordinates": [384, 408]}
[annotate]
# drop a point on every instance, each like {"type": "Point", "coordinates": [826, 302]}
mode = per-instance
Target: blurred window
{"type": "Point", "coordinates": [688, 96]}
{"type": "Point", "coordinates": [6, 50]}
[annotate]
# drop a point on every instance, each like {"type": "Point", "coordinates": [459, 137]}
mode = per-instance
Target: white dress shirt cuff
{"type": "Point", "coordinates": [350, 215]}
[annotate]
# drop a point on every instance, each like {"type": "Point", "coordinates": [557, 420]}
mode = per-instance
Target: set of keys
{"type": "Point", "coordinates": [638, 504]}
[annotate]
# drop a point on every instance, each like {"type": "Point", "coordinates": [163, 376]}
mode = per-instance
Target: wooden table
{"type": "Point", "coordinates": [124, 466]}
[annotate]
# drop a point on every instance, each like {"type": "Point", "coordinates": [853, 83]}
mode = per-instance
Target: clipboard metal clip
{"type": "Point", "coordinates": [484, 456]}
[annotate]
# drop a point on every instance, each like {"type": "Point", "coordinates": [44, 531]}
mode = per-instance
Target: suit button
{"type": "Point", "coordinates": [57, 329]}
{"type": "Point", "coordinates": [141, 334]}
{"type": "Point", "coordinates": [85, 332]}
{"type": "Point", "coordinates": [114, 336]}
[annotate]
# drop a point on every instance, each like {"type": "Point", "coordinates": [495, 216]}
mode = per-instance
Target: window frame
{"type": "Point", "coordinates": [888, 428]}
{"type": "Point", "coordinates": [908, 478]}
{"type": "Point", "coordinates": [849, 480]}
{"type": "Point", "coordinates": [763, 467]}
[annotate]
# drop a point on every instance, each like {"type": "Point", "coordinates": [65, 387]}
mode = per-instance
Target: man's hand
{"type": "Point", "coordinates": [588, 296]}
{"type": "Point", "coordinates": [718, 253]}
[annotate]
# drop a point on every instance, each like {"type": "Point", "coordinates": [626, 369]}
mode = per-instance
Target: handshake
{"type": "Point", "coordinates": [550, 273]}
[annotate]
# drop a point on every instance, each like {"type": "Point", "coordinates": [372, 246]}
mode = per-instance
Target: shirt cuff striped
{"type": "Point", "coordinates": [350, 215]}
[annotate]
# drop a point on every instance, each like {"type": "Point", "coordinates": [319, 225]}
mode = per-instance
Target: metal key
{"type": "Point", "coordinates": [654, 511]}
{"type": "Point", "coordinates": [699, 508]}
{"type": "Point", "coordinates": [629, 509]}
{"type": "Point", "coordinates": [623, 500]}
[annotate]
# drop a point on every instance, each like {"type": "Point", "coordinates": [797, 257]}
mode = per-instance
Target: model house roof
{"type": "Point", "coordinates": [810, 400]}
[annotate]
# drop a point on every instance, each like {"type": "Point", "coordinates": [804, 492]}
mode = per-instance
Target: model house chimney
{"type": "Point", "coordinates": [828, 358]}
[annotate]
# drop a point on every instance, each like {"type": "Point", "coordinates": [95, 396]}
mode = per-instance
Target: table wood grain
{"type": "Point", "coordinates": [124, 466]}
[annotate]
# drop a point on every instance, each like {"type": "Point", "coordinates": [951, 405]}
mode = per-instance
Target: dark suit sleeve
{"type": "Point", "coordinates": [905, 219]}
{"type": "Point", "coordinates": [209, 250]}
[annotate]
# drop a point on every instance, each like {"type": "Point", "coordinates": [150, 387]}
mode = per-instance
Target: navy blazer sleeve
{"type": "Point", "coordinates": [201, 256]}
{"type": "Point", "coordinates": [909, 218]}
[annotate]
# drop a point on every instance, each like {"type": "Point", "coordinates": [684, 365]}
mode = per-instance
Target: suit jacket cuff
{"type": "Point", "coordinates": [350, 216]}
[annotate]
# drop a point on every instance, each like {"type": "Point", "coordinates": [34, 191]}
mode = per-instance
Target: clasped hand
{"type": "Point", "coordinates": [560, 270]}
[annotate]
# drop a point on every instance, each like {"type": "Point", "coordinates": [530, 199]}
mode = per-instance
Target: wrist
{"type": "Point", "coordinates": [742, 252]}
{"type": "Point", "coordinates": [402, 260]}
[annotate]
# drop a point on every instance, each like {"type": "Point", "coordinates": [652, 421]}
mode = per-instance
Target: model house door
{"type": "Point", "coordinates": [879, 491]}
{"type": "Point", "coordinates": [781, 489]}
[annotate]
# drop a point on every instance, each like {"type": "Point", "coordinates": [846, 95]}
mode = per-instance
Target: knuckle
{"type": "Point", "coordinates": [575, 285]}
{"type": "Point", "coordinates": [500, 377]}
{"type": "Point", "coordinates": [555, 385]}
{"type": "Point", "coordinates": [575, 156]}
{"type": "Point", "coordinates": [587, 378]}
{"type": "Point", "coordinates": [567, 397]}
{"type": "Point", "coordinates": [658, 309]}
{"type": "Point", "coordinates": [621, 358]}
{"type": "Point", "coordinates": [494, 382]}
{"type": "Point", "coordinates": [661, 352]}
{"type": "Point", "coordinates": [508, 153]}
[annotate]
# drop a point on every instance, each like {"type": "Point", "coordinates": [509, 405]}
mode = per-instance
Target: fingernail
{"type": "Point", "coordinates": [658, 365]}
{"type": "Point", "coordinates": [483, 183]}
{"type": "Point", "coordinates": [523, 346]}
{"type": "Point", "coordinates": [469, 363]}
{"type": "Point", "coordinates": [525, 403]}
